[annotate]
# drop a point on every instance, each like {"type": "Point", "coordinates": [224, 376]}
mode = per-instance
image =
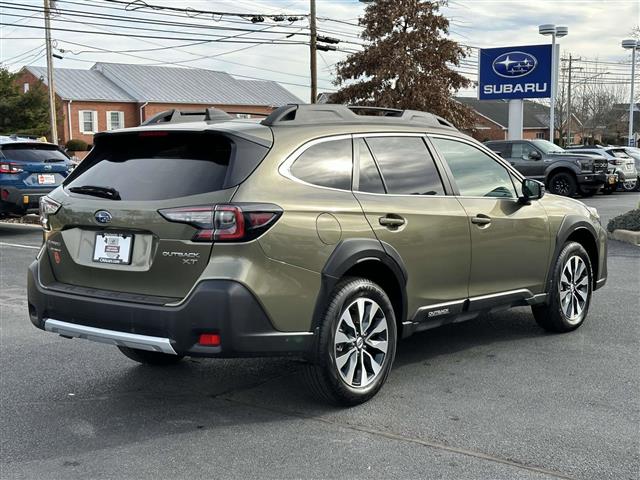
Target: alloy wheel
{"type": "Point", "coordinates": [561, 186]}
{"type": "Point", "coordinates": [361, 342]}
{"type": "Point", "coordinates": [574, 288]}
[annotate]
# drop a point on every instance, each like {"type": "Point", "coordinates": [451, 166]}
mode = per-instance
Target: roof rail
{"type": "Point", "coordinates": [294, 114]}
{"type": "Point", "coordinates": [181, 116]}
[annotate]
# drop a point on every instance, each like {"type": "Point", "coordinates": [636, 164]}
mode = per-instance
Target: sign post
{"type": "Point", "coordinates": [515, 73]}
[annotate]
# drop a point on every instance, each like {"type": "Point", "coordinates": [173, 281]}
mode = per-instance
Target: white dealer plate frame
{"type": "Point", "coordinates": [113, 248]}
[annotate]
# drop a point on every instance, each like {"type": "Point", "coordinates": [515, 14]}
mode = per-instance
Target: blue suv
{"type": "Point", "coordinates": [28, 171]}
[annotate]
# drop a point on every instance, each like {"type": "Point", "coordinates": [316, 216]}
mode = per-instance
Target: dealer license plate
{"type": "Point", "coordinates": [46, 179]}
{"type": "Point", "coordinates": [114, 248]}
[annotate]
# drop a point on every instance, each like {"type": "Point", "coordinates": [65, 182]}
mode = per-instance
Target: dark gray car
{"type": "Point", "coordinates": [563, 173]}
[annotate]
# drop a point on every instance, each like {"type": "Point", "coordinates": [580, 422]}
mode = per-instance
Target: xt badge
{"type": "Point", "coordinates": [188, 258]}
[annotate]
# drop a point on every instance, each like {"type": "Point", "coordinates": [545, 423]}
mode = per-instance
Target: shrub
{"type": "Point", "coordinates": [626, 221]}
{"type": "Point", "coordinates": [77, 145]}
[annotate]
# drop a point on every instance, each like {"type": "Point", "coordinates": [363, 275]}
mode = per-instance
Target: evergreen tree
{"type": "Point", "coordinates": [406, 62]}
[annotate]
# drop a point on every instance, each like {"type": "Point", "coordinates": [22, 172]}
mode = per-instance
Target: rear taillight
{"type": "Point", "coordinates": [6, 167]}
{"type": "Point", "coordinates": [616, 161]}
{"type": "Point", "coordinates": [48, 207]}
{"type": "Point", "coordinates": [225, 223]}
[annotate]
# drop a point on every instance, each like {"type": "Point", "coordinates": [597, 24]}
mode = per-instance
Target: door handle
{"type": "Point", "coordinates": [392, 221]}
{"type": "Point", "coordinates": [481, 219]}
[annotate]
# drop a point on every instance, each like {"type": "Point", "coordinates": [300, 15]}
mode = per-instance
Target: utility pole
{"type": "Point", "coordinates": [569, 106]}
{"type": "Point", "coordinates": [52, 92]}
{"type": "Point", "coordinates": [312, 51]}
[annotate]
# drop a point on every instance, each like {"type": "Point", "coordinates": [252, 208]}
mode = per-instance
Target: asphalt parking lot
{"type": "Point", "coordinates": [493, 398]}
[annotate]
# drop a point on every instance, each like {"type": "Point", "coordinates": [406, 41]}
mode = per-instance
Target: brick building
{"type": "Point", "coordinates": [112, 95]}
{"type": "Point", "coordinates": [492, 119]}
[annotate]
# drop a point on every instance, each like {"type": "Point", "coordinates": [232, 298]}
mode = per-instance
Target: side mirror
{"type": "Point", "coordinates": [535, 155]}
{"type": "Point", "coordinates": [531, 190]}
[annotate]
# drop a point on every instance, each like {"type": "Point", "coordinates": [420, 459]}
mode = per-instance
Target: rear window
{"type": "Point", "coordinates": [162, 165]}
{"type": "Point", "coordinates": [33, 153]}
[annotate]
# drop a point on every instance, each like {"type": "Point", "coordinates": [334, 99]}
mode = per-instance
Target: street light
{"type": "Point", "coordinates": [633, 45]}
{"type": "Point", "coordinates": [555, 32]}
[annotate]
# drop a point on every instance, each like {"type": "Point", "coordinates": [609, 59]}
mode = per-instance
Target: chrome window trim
{"type": "Point", "coordinates": [484, 149]}
{"type": "Point", "coordinates": [285, 167]}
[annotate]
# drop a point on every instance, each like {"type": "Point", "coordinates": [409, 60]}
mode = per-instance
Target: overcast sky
{"type": "Point", "coordinates": [595, 31]}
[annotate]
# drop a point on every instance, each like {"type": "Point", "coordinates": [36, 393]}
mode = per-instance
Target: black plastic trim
{"type": "Point", "coordinates": [349, 253]}
{"type": "Point", "coordinates": [221, 306]}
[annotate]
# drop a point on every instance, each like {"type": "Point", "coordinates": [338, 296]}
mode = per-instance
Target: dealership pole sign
{"type": "Point", "coordinates": [514, 72]}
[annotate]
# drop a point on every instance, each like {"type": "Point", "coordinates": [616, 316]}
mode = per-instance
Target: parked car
{"type": "Point", "coordinates": [28, 170]}
{"type": "Point", "coordinates": [623, 164]}
{"type": "Point", "coordinates": [563, 173]}
{"type": "Point", "coordinates": [321, 232]}
{"type": "Point", "coordinates": [634, 152]}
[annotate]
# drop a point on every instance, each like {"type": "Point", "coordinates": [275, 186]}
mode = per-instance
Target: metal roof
{"type": "Point", "coordinates": [75, 84]}
{"type": "Point", "coordinates": [119, 82]}
{"type": "Point", "coordinates": [189, 85]}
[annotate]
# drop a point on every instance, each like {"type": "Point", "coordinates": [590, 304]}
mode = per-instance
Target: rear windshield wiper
{"type": "Point", "coordinates": [51, 160]}
{"type": "Point", "coordinates": [97, 191]}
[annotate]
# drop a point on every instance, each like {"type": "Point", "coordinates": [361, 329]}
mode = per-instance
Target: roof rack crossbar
{"type": "Point", "coordinates": [181, 116]}
{"type": "Point", "coordinates": [294, 114]}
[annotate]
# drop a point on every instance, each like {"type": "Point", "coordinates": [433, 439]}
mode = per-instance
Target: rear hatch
{"type": "Point", "coordinates": [42, 164]}
{"type": "Point", "coordinates": [109, 234]}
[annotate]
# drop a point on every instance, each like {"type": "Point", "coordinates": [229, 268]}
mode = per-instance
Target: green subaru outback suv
{"type": "Point", "coordinates": [324, 232]}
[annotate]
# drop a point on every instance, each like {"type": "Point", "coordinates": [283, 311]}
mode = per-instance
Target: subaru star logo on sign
{"type": "Point", "coordinates": [515, 72]}
{"type": "Point", "coordinates": [102, 216]}
{"type": "Point", "coordinates": [514, 64]}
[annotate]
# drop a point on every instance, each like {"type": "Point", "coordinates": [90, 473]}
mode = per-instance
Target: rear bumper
{"type": "Point", "coordinates": [214, 306]}
{"type": "Point", "coordinates": [22, 200]}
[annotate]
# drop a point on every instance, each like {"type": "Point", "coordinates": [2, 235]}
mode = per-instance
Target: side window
{"type": "Point", "coordinates": [406, 165]}
{"type": "Point", "coordinates": [476, 174]}
{"type": "Point", "coordinates": [503, 149]}
{"type": "Point", "coordinates": [327, 164]}
{"type": "Point", "coordinates": [522, 150]}
{"type": "Point", "coordinates": [370, 180]}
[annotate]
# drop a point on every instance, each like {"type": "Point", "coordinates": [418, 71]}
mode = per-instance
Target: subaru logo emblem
{"type": "Point", "coordinates": [102, 216]}
{"type": "Point", "coordinates": [47, 167]}
{"type": "Point", "coordinates": [514, 64]}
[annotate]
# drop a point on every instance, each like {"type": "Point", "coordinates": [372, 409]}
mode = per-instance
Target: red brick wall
{"type": "Point", "coordinates": [152, 109]}
{"type": "Point", "coordinates": [487, 130]}
{"type": "Point", "coordinates": [130, 117]}
{"type": "Point", "coordinates": [530, 134]}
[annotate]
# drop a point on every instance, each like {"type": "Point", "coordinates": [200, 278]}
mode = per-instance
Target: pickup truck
{"type": "Point", "coordinates": [563, 173]}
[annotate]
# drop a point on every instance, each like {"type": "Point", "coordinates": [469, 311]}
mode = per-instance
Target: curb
{"type": "Point", "coordinates": [31, 219]}
{"type": "Point", "coordinates": [626, 236]}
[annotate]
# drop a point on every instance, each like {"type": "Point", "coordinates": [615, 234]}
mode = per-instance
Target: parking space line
{"type": "Point", "coordinates": [17, 245]}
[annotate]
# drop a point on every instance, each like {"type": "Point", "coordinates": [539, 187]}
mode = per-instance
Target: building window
{"type": "Point", "coordinates": [25, 87]}
{"type": "Point", "coordinates": [115, 120]}
{"type": "Point", "coordinates": [540, 135]}
{"type": "Point", "coordinates": [88, 121]}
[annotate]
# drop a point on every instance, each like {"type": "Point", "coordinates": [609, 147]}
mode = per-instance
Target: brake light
{"type": "Point", "coordinates": [48, 206]}
{"type": "Point", "coordinates": [616, 162]}
{"type": "Point", "coordinates": [6, 167]}
{"type": "Point", "coordinates": [225, 223]}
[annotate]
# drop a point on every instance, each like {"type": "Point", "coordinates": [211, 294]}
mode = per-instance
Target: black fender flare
{"type": "Point", "coordinates": [569, 225]}
{"type": "Point", "coordinates": [559, 165]}
{"type": "Point", "coordinates": [349, 253]}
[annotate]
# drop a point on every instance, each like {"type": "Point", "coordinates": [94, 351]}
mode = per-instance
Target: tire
{"type": "Point", "coordinates": [563, 183]}
{"type": "Point", "coordinates": [150, 358]}
{"type": "Point", "coordinates": [558, 315]}
{"type": "Point", "coordinates": [630, 186]}
{"type": "Point", "coordinates": [335, 373]}
{"type": "Point", "coordinates": [588, 192]}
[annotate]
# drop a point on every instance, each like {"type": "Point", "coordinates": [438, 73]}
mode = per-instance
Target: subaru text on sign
{"type": "Point", "coordinates": [515, 72]}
